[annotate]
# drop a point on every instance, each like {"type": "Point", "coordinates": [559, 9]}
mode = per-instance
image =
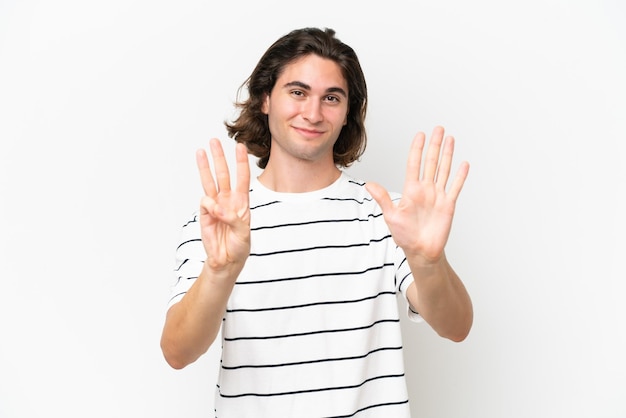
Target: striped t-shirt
{"type": "Point", "coordinates": [312, 325]}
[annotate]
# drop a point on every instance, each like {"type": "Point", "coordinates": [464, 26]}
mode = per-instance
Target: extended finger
{"type": "Point", "coordinates": [443, 171]}
{"type": "Point", "coordinates": [459, 181]}
{"type": "Point", "coordinates": [432, 154]}
{"type": "Point", "coordinates": [222, 175]}
{"type": "Point", "coordinates": [414, 161]}
{"type": "Point", "coordinates": [206, 178]}
{"type": "Point", "coordinates": [243, 169]}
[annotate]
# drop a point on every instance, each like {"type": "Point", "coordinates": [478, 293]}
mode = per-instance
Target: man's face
{"type": "Point", "coordinates": [307, 109]}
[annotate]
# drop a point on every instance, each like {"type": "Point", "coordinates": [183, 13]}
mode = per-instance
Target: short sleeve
{"type": "Point", "coordinates": [189, 259]}
{"type": "Point", "coordinates": [404, 278]}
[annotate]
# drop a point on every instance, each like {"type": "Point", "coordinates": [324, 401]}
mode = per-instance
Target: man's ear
{"type": "Point", "coordinates": [265, 108]}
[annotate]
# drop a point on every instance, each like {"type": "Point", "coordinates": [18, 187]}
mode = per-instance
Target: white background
{"type": "Point", "coordinates": [103, 103]}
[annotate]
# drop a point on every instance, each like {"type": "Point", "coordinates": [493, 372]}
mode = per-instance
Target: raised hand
{"type": "Point", "coordinates": [421, 221]}
{"type": "Point", "coordinates": [224, 213]}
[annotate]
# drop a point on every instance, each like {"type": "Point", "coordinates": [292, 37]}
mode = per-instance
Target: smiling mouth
{"type": "Point", "coordinates": [308, 132]}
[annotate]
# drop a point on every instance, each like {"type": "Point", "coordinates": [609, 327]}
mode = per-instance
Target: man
{"type": "Point", "coordinates": [302, 267]}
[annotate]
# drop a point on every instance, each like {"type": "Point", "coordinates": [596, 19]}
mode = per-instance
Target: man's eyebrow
{"type": "Point", "coordinates": [305, 86]}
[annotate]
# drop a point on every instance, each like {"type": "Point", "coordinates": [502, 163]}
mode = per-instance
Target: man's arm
{"type": "Point", "coordinates": [439, 296]}
{"type": "Point", "coordinates": [192, 323]}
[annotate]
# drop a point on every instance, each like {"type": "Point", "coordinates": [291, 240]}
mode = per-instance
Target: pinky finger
{"type": "Point", "coordinates": [459, 181]}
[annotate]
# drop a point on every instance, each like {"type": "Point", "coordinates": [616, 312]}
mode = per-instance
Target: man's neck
{"type": "Point", "coordinates": [301, 177]}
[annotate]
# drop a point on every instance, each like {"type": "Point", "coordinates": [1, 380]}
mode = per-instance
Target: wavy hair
{"type": "Point", "coordinates": [251, 125]}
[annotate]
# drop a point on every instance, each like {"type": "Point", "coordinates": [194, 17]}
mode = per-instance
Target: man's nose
{"type": "Point", "coordinates": [313, 111]}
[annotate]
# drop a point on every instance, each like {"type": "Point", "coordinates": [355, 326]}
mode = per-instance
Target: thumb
{"type": "Point", "coordinates": [380, 195]}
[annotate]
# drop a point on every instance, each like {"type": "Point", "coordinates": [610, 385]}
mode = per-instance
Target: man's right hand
{"type": "Point", "coordinates": [224, 213]}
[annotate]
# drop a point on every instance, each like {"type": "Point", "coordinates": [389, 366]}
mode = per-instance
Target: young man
{"type": "Point", "coordinates": [302, 267]}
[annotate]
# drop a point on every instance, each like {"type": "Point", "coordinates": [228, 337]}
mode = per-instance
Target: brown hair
{"type": "Point", "coordinates": [251, 126]}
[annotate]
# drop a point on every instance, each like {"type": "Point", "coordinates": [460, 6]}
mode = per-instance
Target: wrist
{"type": "Point", "coordinates": [419, 258]}
{"type": "Point", "coordinates": [222, 274]}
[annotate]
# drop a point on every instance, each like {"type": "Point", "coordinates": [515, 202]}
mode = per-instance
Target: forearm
{"type": "Point", "coordinates": [192, 324]}
{"type": "Point", "coordinates": [440, 297]}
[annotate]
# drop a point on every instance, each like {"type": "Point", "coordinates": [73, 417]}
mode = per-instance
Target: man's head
{"type": "Point", "coordinates": [251, 127]}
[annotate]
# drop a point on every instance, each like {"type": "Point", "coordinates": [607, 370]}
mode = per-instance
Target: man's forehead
{"type": "Point", "coordinates": [313, 72]}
